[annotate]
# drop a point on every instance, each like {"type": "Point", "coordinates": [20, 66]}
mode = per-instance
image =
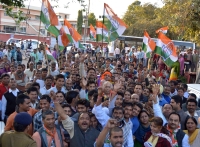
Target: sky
{"type": "Point", "coordinates": [96, 6]}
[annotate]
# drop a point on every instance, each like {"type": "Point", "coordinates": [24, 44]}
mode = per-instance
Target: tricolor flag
{"type": "Point", "coordinates": [49, 55]}
{"type": "Point", "coordinates": [166, 49]}
{"type": "Point", "coordinates": [92, 32]}
{"type": "Point", "coordinates": [148, 44]}
{"type": "Point", "coordinates": [75, 36]}
{"type": "Point", "coordinates": [64, 38]}
{"type": "Point", "coordinates": [163, 30]}
{"type": "Point", "coordinates": [101, 30]}
{"type": "Point", "coordinates": [113, 23]}
{"type": "Point", "coordinates": [49, 18]}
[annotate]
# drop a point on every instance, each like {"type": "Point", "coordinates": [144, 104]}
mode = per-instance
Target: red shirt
{"type": "Point", "coordinates": [3, 89]}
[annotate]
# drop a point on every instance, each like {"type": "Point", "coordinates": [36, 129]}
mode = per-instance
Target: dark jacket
{"type": "Point", "coordinates": [83, 139]}
{"type": "Point", "coordinates": [161, 141]}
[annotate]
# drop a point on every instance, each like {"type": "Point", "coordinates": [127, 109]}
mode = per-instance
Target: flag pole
{"type": "Point", "coordinates": [103, 24]}
{"type": "Point", "coordinates": [39, 26]}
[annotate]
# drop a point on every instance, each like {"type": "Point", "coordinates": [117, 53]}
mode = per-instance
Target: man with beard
{"type": "Point", "coordinates": [191, 96]}
{"type": "Point", "coordinates": [138, 90]}
{"type": "Point", "coordinates": [128, 109]}
{"type": "Point", "coordinates": [49, 134]}
{"type": "Point", "coordinates": [116, 137]}
{"type": "Point", "coordinates": [166, 93]}
{"type": "Point", "coordinates": [118, 114]}
{"type": "Point", "coordinates": [178, 137]}
{"type": "Point", "coordinates": [191, 107]}
{"type": "Point", "coordinates": [81, 134]}
{"type": "Point", "coordinates": [20, 78]}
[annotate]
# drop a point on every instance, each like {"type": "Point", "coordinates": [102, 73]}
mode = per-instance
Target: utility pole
{"type": "Point", "coordinates": [87, 11]}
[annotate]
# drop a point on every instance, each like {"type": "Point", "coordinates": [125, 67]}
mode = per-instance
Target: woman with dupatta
{"type": "Point", "coordinates": [192, 132]}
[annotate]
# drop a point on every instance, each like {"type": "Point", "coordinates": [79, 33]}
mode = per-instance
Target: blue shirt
{"type": "Point", "coordinates": [135, 123]}
{"type": "Point", "coordinates": [162, 101]}
{"type": "Point", "coordinates": [166, 97]}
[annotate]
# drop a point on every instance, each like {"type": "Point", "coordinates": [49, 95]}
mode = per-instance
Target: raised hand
{"type": "Point", "coordinates": [111, 123]}
{"type": "Point", "coordinates": [117, 85]}
{"type": "Point", "coordinates": [156, 89]}
{"type": "Point", "coordinates": [84, 82]}
{"type": "Point", "coordinates": [53, 96]}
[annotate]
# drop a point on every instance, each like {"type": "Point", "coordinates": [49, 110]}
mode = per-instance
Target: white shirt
{"type": "Point", "coordinates": [54, 89]}
{"type": "Point", "coordinates": [4, 101]}
{"type": "Point", "coordinates": [54, 73]}
{"type": "Point", "coordinates": [29, 73]}
{"type": "Point", "coordinates": [41, 82]}
{"type": "Point", "coordinates": [43, 90]}
{"type": "Point", "coordinates": [34, 105]}
{"type": "Point", "coordinates": [117, 51]}
{"type": "Point", "coordinates": [186, 94]}
{"type": "Point", "coordinates": [173, 94]}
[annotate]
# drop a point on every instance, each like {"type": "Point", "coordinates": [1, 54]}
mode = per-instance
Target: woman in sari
{"type": "Point", "coordinates": [157, 137]}
{"type": "Point", "coordinates": [192, 132]}
{"type": "Point", "coordinates": [142, 129]}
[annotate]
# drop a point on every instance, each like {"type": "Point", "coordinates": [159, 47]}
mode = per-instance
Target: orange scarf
{"type": "Point", "coordinates": [52, 134]}
{"type": "Point", "coordinates": [172, 135]}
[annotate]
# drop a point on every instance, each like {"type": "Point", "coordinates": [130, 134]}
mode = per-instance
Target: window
{"type": "Point", "coordinates": [59, 17]}
{"type": "Point", "coordinates": [23, 29]}
{"type": "Point", "coordinates": [9, 29]}
{"type": "Point", "coordinates": [66, 16]}
{"type": "Point", "coordinates": [42, 31]}
{"type": "Point", "coordinates": [37, 17]}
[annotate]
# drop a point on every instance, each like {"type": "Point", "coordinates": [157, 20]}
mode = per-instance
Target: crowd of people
{"type": "Point", "coordinates": [92, 100]}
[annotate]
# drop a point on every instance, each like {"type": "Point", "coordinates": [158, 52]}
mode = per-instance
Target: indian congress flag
{"type": "Point", "coordinates": [102, 33]}
{"type": "Point", "coordinates": [113, 23]}
{"type": "Point", "coordinates": [92, 32]}
{"type": "Point", "coordinates": [166, 49]}
{"type": "Point", "coordinates": [148, 45]}
{"type": "Point", "coordinates": [64, 38]}
{"type": "Point", "coordinates": [49, 55]}
{"type": "Point", "coordinates": [49, 18]}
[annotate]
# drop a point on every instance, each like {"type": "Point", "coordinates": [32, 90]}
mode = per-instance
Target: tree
{"type": "Point", "coordinates": [91, 19]}
{"type": "Point", "coordinates": [80, 21]}
{"type": "Point", "coordinates": [18, 16]}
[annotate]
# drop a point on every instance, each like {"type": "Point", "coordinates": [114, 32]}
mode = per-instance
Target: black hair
{"type": "Point", "coordinates": [120, 93]}
{"type": "Point", "coordinates": [139, 105]}
{"type": "Point", "coordinates": [115, 129]}
{"type": "Point", "coordinates": [92, 92]}
{"type": "Point", "coordinates": [19, 127]}
{"type": "Point", "coordinates": [61, 93]}
{"type": "Point", "coordinates": [174, 113]}
{"type": "Point", "coordinates": [191, 100]}
{"type": "Point", "coordinates": [95, 97]}
{"type": "Point", "coordinates": [66, 105]}
{"type": "Point", "coordinates": [167, 104]}
{"type": "Point", "coordinates": [177, 99]}
{"type": "Point", "coordinates": [5, 75]}
{"type": "Point", "coordinates": [185, 86]}
{"type": "Point", "coordinates": [49, 77]}
{"type": "Point", "coordinates": [193, 95]}
{"type": "Point", "coordinates": [20, 65]}
{"type": "Point", "coordinates": [83, 102]}
{"type": "Point", "coordinates": [91, 82]}
{"type": "Point", "coordinates": [70, 96]}
{"type": "Point", "coordinates": [174, 82]}
{"type": "Point", "coordinates": [59, 76]}
{"type": "Point", "coordinates": [91, 69]}
{"type": "Point", "coordinates": [118, 108]}
{"type": "Point", "coordinates": [35, 84]}
{"type": "Point", "coordinates": [126, 104]}
{"type": "Point", "coordinates": [44, 69]}
{"type": "Point", "coordinates": [32, 89]}
{"type": "Point", "coordinates": [47, 112]}
{"type": "Point", "coordinates": [45, 97]}
{"type": "Point", "coordinates": [181, 88]}
{"type": "Point", "coordinates": [143, 111]}
{"type": "Point", "coordinates": [192, 118]}
{"type": "Point", "coordinates": [20, 99]}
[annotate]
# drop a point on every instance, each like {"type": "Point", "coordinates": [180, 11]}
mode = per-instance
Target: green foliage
{"type": "Point", "coordinates": [92, 19]}
{"type": "Point", "coordinates": [80, 21]}
{"type": "Point", "coordinates": [182, 17]}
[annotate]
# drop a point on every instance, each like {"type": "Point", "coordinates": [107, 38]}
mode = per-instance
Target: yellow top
{"type": "Point", "coordinates": [153, 142]}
